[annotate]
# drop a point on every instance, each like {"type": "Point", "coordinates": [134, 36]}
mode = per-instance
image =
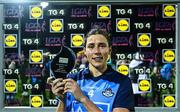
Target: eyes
{"type": "Point", "coordinates": [100, 45]}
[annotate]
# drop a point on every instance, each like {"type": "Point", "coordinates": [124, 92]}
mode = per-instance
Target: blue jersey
{"type": "Point", "coordinates": [108, 91]}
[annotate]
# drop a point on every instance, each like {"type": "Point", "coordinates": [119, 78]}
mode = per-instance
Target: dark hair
{"type": "Point", "coordinates": [98, 30]}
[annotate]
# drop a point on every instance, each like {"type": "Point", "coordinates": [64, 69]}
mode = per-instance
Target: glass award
{"type": "Point", "coordinates": [63, 63]}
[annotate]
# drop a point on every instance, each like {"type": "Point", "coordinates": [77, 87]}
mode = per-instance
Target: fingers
{"type": "Point", "coordinates": [61, 86]}
{"type": "Point", "coordinates": [58, 84]}
{"type": "Point", "coordinates": [56, 81]}
{"type": "Point", "coordinates": [50, 80]}
{"type": "Point", "coordinates": [70, 85]}
{"type": "Point", "coordinates": [53, 82]}
{"type": "Point", "coordinates": [69, 80]}
{"type": "Point", "coordinates": [58, 90]}
{"type": "Point", "coordinates": [67, 90]}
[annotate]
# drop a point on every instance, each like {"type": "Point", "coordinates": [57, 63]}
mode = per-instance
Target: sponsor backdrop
{"type": "Point", "coordinates": [143, 41]}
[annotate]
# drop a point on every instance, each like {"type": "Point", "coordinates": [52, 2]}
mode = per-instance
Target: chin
{"type": "Point", "coordinates": [98, 65]}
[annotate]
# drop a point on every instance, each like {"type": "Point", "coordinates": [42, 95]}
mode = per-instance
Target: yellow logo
{"type": "Point", "coordinates": [144, 85]}
{"type": "Point", "coordinates": [104, 11]}
{"type": "Point", "coordinates": [169, 11]}
{"type": "Point", "coordinates": [123, 69]}
{"type": "Point", "coordinates": [77, 40]}
{"type": "Point", "coordinates": [169, 56]}
{"type": "Point", "coordinates": [36, 101]}
{"type": "Point", "coordinates": [36, 56]}
{"type": "Point", "coordinates": [144, 40]}
{"type": "Point", "coordinates": [10, 86]}
{"type": "Point", "coordinates": [123, 25]}
{"type": "Point", "coordinates": [36, 12]}
{"type": "Point", "coordinates": [169, 101]}
{"type": "Point", "coordinates": [10, 41]}
{"type": "Point", "coordinates": [56, 25]}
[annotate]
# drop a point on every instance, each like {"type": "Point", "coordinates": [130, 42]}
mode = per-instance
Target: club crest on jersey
{"type": "Point", "coordinates": [108, 92]}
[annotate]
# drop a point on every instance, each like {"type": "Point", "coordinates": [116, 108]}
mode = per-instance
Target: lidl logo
{"type": "Point", "coordinates": [144, 85]}
{"type": "Point", "coordinates": [123, 25]}
{"type": "Point", "coordinates": [123, 69]}
{"type": "Point", "coordinates": [77, 40]}
{"type": "Point", "coordinates": [36, 101]}
{"type": "Point", "coordinates": [56, 25]}
{"type": "Point", "coordinates": [35, 12]}
{"type": "Point", "coordinates": [10, 40]}
{"type": "Point", "coordinates": [35, 56]}
{"type": "Point", "coordinates": [169, 55]}
{"type": "Point", "coordinates": [103, 11]}
{"type": "Point", "coordinates": [144, 39]}
{"type": "Point", "coordinates": [169, 11]}
{"type": "Point", "coordinates": [10, 86]}
{"type": "Point", "coordinates": [169, 101]}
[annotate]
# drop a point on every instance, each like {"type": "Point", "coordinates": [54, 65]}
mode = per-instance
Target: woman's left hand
{"type": "Point", "coordinates": [73, 87]}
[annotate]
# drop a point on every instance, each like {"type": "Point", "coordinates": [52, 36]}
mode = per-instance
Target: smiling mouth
{"type": "Point", "coordinates": [97, 59]}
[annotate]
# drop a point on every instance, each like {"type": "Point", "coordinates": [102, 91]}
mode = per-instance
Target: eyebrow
{"type": "Point", "coordinates": [101, 43]}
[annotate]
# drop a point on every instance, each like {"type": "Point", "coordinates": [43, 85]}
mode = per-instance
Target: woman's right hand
{"type": "Point", "coordinates": [57, 86]}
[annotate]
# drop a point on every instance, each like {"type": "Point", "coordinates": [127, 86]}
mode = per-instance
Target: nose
{"type": "Point", "coordinates": [96, 50]}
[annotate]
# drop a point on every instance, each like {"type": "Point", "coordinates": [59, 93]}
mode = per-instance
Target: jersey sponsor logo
{"type": "Point", "coordinates": [108, 92]}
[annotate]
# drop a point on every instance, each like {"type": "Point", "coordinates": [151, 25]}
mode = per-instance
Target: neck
{"type": "Point", "coordinates": [97, 71]}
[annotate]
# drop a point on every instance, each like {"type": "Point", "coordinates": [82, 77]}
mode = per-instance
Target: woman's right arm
{"type": "Point", "coordinates": [57, 87]}
{"type": "Point", "coordinates": [60, 107]}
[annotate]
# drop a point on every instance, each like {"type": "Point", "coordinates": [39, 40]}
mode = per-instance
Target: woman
{"type": "Point", "coordinates": [98, 87]}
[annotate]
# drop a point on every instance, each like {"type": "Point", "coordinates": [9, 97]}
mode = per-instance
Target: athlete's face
{"type": "Point", "coordinates": [97, 51]}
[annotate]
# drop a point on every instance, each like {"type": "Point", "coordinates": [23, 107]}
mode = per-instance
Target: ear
{"type": "Point", "coordinates": [110, 50]}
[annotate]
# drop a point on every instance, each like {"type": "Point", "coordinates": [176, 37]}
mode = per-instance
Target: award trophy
{"type": "Point", "coordinates": [62, 63]}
